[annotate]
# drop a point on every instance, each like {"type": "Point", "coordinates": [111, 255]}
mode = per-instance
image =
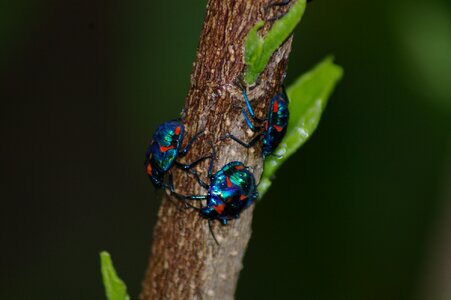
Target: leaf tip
{"type": "Point", "coordinates": [115, 288]}
{"type": "Point", "coordinates": [104, 255]}
{"type": "Point", "coordinates": [336, 70]}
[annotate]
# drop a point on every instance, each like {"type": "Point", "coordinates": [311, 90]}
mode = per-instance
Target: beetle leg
{"type": "Point", "coordinates": [170, 187]}
{"type": "Point", "coordinates": [191, 165]}
{"type": "Point", "coordinates": [171, 184]}
{"type": "Point", "coordinates": [190, 143]}
{"type": "Point", "coordinates": [249, 108]}
{"type": "Point", "coordinates": [244, 144]}
{"type": "Point", "coordinates": [246, 99]}
{"type": "Point", "coordinates": [189, 205]}
{"type": "Point", "coordinates": [201, 183]}
{"type": "Point", "coordinates": [191, 197]}
{"type": "Point", "coordinates": [248, 104]}
{"type": "Point", "coordinates": [186, 198]}
{"type": "Point", "coordinates": [248, 121]}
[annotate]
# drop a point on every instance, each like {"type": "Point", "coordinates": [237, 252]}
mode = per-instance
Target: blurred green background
{"type": "Point", "coordinates": [361, 212]}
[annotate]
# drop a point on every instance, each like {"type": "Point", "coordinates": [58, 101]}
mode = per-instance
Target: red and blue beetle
{"type": "Point", "coordinates": [164, 149]}
{"type": "Point", "coordinates": [274, 126]}
{"type": "Point", "coordinates": [232, 189]}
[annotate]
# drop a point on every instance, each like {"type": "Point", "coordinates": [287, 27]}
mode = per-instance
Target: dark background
{"type": "Point", "coordinates": [359, 212]}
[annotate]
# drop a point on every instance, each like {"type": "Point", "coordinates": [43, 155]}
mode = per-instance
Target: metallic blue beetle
{"type": "Point", "coordinates": [274, 126]}
{"type": "Point", "coordinates": [164, 149]}
{"type": "Point", "coordinates": [231, 190]}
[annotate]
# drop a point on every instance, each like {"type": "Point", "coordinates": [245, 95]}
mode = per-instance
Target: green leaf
{"type": "Point", "coordinates": [258, 50]}
{"type": "Point", "coordinates": [308, 98]}
{"type": "Point", "coordinates": [115, 288]}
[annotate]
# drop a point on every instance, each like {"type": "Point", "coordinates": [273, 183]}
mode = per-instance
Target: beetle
{"type": "Point", "coordinates": [274, 126]}
{"type": "Point", "coordinates": [164, 149]}
{"type": "Point", "coordinates": [231, 190]}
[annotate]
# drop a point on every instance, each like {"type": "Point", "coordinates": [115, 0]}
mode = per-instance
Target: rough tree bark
{"type": "Point", "coordinates": [185, 262]}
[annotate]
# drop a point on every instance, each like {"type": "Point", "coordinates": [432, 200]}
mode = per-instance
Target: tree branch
{"type": "Point", "coordinates": [185, 262]}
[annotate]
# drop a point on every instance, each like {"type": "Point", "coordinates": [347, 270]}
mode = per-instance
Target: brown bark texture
{"type": "Point", "coordinates": [185, 262]}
